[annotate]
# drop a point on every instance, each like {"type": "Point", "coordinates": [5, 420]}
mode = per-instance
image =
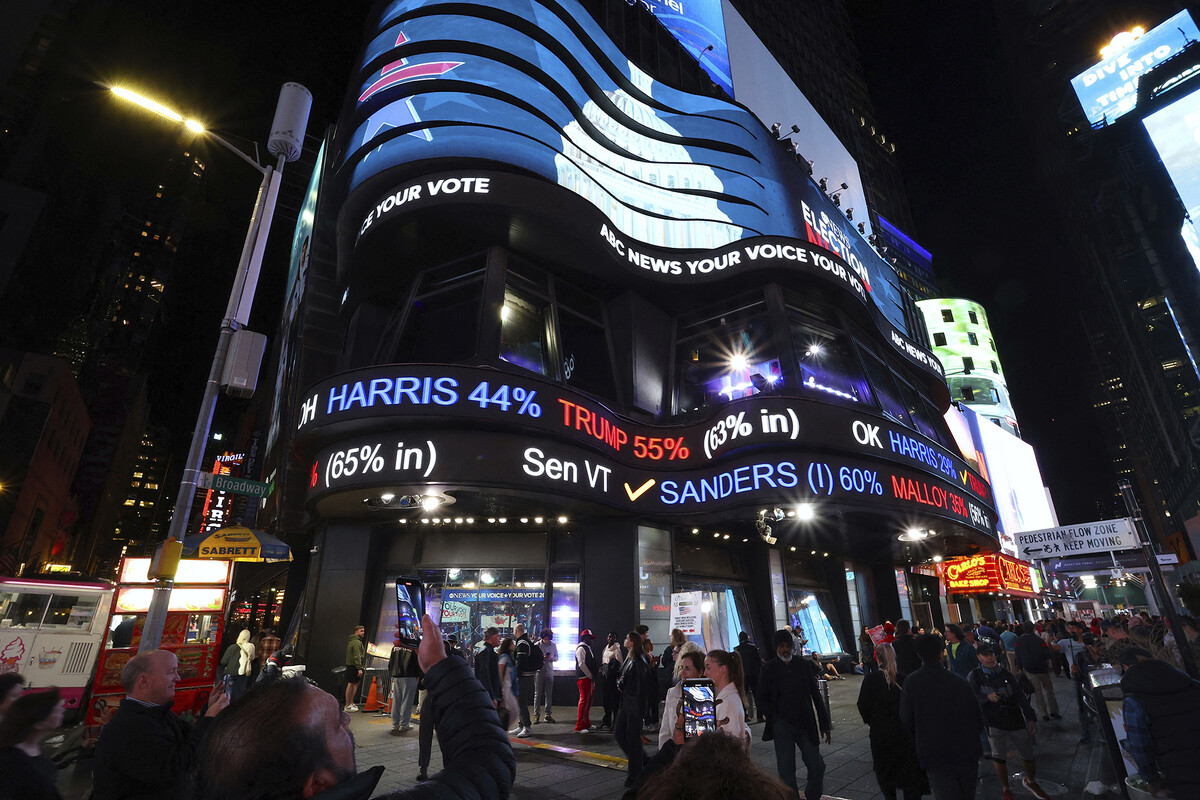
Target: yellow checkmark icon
{"type": "Point", "coordinates": [634, 494]}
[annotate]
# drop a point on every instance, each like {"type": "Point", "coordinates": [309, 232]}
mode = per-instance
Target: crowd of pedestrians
{"type": "Point", "coordinates": [935, 706]}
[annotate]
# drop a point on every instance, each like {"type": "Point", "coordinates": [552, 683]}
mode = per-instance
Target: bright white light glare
{"type": "Point", "coordinates": [453, 574]}
{"type": "Point", "coordinates": [814, 350]}
{"type": "Point", "coordinates": [524, 519]}
{"type": "Point", "coordinates": [487, 577]}
{"type": "Point", "coordinates": [810, 599]}
{"type": "Point", "coordinates": [505, 313]}
{"type": "Point", "coordinates": [387, 497]}
{"type": "Point", "coordinates": [147, 103]}
{"type": "Point", "coordinates": [806, 512]}
{"type": "Point", "coordinates": [538, 520]}
{"type": "Point", "coordinates": [193, 125]}
{"type": "Point", "coordinates": [429, 502]}
{"type": "Point", "coordinates": [739, 362]}
{"type": "Point", "coordinates": [937, 559]}
{"type": "Point", "coordinates": [706, 606]}
{"type": "Point", "coordinates": [562, 520]}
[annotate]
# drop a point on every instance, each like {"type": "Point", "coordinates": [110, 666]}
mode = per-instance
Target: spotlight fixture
{"type": "Point", "coordinates": [823, 184]}
{"type": "Point", "coordinates": [776, 130]}
{"type": "Point", "coordinates": [914, 535]}
{"type": "Point", "coordinates": [562, 520]}
{"type": "Point", "coordinates": [850, 213]}
{"type": "Point", "coordinates": [806, 512]}
{"type": "Point", "coordinates": [862, 227]}
{"type": "Point", "coordinates": [764, 530]}
{"type": "Point", "coordinates": [836, 198]}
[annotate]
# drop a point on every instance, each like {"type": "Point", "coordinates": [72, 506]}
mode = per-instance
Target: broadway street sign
{"type": "Point", "coordinates": [1090, 537]}
{"type": "Point", "coordinates": [225, 483]}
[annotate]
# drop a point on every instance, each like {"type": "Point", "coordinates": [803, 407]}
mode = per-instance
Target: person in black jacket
{"type": "Point", "coordinates": [406, 675]}
{"type": "Point", "coordinates": [787, 693]}
{"type": "Point", "coordinates": [487, 665]}
{"type": "Point", "coordinates": [1161, 709]}
{"type": "Point", "coordinates": [939, 710]}
{"type": "Point", "coordinates": [1009, 716]}
{"type": "Point", "coordinates": [145, 750]}
{"type": "Point", "coordinates": [893, 754]}
{"type": "Point", "coordinates": [635, 683]}
{"type": "Point", "coordinates": [25, 772]}
{"type": "Point", "coordinates": [1033, 658]}
{"type": "Point", "coordinates": [751, 666]}
{"type": "Point", "coordinates": [290, 740]}
{"type": "Point", "coordinates": [907, 660]}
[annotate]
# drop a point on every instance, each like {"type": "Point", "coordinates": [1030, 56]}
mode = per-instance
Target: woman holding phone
{"type": "Point", "coordinates": [688, 665]}
{"type": "Point", "coordinates": [724, 669]}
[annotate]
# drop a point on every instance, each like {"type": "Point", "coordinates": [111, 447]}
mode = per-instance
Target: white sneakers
{"type": "Point", "coordinates": [524, 732]}
{"type": "Point", "coordinates": [351, 707]}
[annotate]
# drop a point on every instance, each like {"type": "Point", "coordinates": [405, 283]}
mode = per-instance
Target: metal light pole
{"type": "Point", "coordinates": [1155, 581]}
{"type": "Point", "coordinates": [285, 143]}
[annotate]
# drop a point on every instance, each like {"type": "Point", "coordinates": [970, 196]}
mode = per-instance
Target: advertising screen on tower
{"type": "Point", "coordinates": [538, 87]}
{"type": "Point", "coordinates": [1175, 131]}
{"type": "Point", "coordinates": [1109, 89]}
{"type": "Point", "coordinates": [699, 26]}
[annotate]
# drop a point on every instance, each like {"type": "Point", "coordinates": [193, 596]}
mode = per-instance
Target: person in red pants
{"type": "Point", "coordinates": [585, 678]}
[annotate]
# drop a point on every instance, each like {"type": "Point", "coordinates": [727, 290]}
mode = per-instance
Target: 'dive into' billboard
{"type": "Point", "coordinates": [1109, 89]}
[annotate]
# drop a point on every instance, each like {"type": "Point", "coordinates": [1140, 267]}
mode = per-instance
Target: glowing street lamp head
{"type": "Point", "coordinates": [739, 362]}
{"type": "Point", "coordinates": [157, 108]}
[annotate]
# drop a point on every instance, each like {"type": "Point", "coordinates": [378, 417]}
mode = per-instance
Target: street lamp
{"type": "Point", "coordinates": [285, 142]}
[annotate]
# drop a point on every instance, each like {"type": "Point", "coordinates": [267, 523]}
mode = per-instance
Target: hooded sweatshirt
{"type": "Point", "coordinates": [1171, 700]}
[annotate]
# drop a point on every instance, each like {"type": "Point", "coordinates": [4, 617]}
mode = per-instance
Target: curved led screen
{"type": "Point", "coordinates": [528, 433]}
{"type": "Point", "coordinates": [538, 87]}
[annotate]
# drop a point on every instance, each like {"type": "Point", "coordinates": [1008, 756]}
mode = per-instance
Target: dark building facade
{"type": "Point", "coordinates": [1139, 286]}
{"type": "Point", "coordinates": [574, 332]}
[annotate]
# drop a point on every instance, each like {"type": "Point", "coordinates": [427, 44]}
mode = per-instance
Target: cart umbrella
{"type": "Point", "coordinates": [237, 543]}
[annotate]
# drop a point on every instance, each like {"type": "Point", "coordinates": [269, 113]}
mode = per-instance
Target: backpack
{"type": "Point", "coordinates": [533, 658]}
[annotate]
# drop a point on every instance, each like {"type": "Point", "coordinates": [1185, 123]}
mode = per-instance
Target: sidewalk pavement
{"type": "Point", "coordinates": [555, 762]}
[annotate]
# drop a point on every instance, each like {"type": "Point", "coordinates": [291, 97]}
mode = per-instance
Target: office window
{"type": "Point", "coordinates": [973, 339]}
{"type": "Point", "coordinates": [973, 317]}
{"type": "Point", "coordinates": [995, 396]}
{"type": "Point", "coordinates": [995, 367]}
{"type": "Point", "coordinates": [968, 394]}
{"type": "Point", "coordinates": [524, 328]}
{"type": "Point", "coordinates": [939, 340]}
{"type": "Point", "coordinates": [947, 315]}
{"type": "Point", "coordinates": [968, 364]}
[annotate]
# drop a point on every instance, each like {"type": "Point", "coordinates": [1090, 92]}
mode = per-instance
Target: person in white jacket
{"type": "Point", "coordinates": [238, 661]}
{"type": "Point", "coordinates": [724, 669]}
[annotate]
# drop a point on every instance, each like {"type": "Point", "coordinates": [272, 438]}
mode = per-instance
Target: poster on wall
{"type": "Point", "coordinates": [685, 612]}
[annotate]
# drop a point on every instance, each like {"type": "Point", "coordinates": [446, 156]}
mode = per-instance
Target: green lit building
{"type": "Point", "coordinates": [958, 330]}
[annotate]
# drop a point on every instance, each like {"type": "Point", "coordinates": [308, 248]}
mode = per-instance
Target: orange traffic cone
{"type": "Point", "coordinates": [373, 703]}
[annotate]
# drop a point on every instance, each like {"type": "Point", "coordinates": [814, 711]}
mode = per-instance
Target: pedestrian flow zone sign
{"type": "Point", "coordinates": [1090, 537]}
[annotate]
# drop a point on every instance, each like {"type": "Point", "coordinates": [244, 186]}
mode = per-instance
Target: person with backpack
{"type": "Point", "coordinates": [1033, 657]}
{"type": "Point", "coordinates": [529, 661]}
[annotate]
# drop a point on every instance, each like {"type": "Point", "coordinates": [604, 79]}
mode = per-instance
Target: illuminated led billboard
{"type": "Point", "coordinates": [963, 342]}
{"type": "Point", "coordinates": [1175, 132]}
{"type": "Point", "coordinates": [537, 87]}
{"type": "Point", "coordinates": [1109, 89]}
{"type": "Point", "coordinates": [1011, 467]}
{"type": "Point", "coordinates": [698, 25]}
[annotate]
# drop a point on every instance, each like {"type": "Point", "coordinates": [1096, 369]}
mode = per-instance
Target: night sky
{"type": "Point", "coordinates": [936, 75]}
{"type": "Point", "coordinates": [931, 68]}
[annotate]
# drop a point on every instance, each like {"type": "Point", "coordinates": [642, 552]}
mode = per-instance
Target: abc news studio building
{"type": "Point", "coordinates": [562, 340]}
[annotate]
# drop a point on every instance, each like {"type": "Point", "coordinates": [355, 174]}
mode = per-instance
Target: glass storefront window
{"type": "Point", "coordinates": [884, 385]}
{"type": "Point", "coordinates": [524, 326]}
{"type": "Point", "coordinates": [654, 584]}
{"type": "Point", "coordinates": [827, 366]}
{"type": "Point", "coordinates": [725, 357]}
{"type": "Point", "coordinates": [564, 621]}
{"type": "Point", "coordinates": [466, 602]}
{"type": "Point", "coordinates": [586, 364]}
{"type": "Point", "coordinates": [806, 610]}
{"type": "Point", "coordinates": [443, 327]}
{"type": "Point", "coordinates": [724, 612]}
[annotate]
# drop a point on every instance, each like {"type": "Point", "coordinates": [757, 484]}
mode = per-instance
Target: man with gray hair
{"type": "Point", "coordinates": [145, 750]}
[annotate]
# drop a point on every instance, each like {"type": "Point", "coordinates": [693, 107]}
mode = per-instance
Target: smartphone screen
{"type": "Point", "coordinates": [699, 707]}
{"type": "Point", "coordinates": [410, 607]}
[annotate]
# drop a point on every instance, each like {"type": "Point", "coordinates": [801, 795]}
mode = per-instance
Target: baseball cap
{"type": "Point", "coordinates": [586, 633]}
{"type": "Point", "coordinates": [985, 649]}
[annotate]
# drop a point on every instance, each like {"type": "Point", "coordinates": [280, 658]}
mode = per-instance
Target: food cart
{"type": "Point", "coordinates": [52, 631]}
{"type": "Point", "coordinates": [194, 623]}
